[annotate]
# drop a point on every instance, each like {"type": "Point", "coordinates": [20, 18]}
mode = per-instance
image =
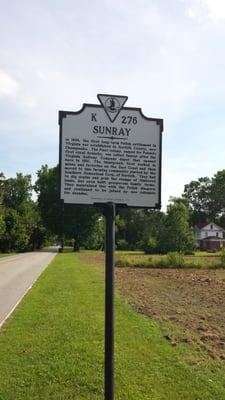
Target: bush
{"type": "Point", "coordinates": [123, 262]}
{"type": "Point", "coordinates": [150, 245]}
{"type": "Point", "coordinates": [122, 244]}
{"type": "Point", "coordinates": [140, 245]}
{"type": "Point", "coordinates": [175, 259]}
{"type": "Point", "coordinates": [222, 258]}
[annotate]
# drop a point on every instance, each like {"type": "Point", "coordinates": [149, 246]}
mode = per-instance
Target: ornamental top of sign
{"type": "Point", "coordinates": [112, 104]}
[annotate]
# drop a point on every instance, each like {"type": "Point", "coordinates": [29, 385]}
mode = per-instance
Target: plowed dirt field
{"type": "Point", "coordinates": [191, 299]}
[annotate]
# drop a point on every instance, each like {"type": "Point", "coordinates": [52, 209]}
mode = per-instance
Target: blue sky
{"type": "Point", "coordinates": [167, 56]}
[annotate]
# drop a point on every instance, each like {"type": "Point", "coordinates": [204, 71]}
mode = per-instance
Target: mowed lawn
{"type": "Point", "coordinates": [3, 255]}
{"type": "Point", "coordinates": [52, 346]}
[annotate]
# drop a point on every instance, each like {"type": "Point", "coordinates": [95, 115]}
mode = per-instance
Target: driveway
{"type": "Point", "coordinates": [17, 275]}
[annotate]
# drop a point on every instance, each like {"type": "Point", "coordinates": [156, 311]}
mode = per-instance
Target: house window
{"type": "Point", "coordinates": [211, 226]}
{"type": "Point", "coordinates": [217, 234]}
{"type": "Point", "coordinates": [206, 234]}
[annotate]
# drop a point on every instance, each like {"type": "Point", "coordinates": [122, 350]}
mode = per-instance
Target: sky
{"type": "Point", "coordinates": [167, 56]}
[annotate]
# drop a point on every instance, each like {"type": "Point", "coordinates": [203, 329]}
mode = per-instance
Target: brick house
{"type": "Point", "coordinates": [210, 237]}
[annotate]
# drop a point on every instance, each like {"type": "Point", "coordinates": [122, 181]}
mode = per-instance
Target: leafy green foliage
{"type": "Point", "coordinates": [150, 245]}
{"type": "Point", "coordinates": [217, 194]}
{"type": "Point", "coordinates": [95, 239]}
{"type": "Point", "coordinates": [206, 198]}
{"type": "Point", "coordinates": [65, 220]}
{"type": "Point", "coordinates": [49, 204]}
{"type": "Point", "coordinates": [175, 259]}
{"type": "Point", "coordinates": [222, 258]}
{"type": "Point", "coordinates": [177, 235]}
{"type": "Point", "coordinates": [129, 223]}
{"type": "Point", "coordinates": [17, 192]}
{"type": "Point", "coordinates": [136, 227]}
{"type": "Point", "coordinates": [149, 230]}
{"type": "Point", "coordinates": [198, 194]}
{"type": "Point", "coordinates": [2, 225]}
{"type": "Point", "coordinates": [122, 244]}
{"type": "Point", "coordinates": [16, 236]}
{"type": "Point", "coordinates": [20, 224]}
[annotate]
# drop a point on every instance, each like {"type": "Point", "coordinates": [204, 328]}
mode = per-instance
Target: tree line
{"type": "Point", "coordinates": [28, 224]}
{"type": "Point", "coordinates": [21, 226]}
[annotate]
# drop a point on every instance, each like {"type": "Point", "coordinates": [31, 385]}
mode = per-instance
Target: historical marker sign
{"type": "Point", "coordinates": [110, 153]}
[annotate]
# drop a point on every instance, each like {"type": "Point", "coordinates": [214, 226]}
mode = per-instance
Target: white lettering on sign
{"type": "Point", "coordinates": [104, 161]}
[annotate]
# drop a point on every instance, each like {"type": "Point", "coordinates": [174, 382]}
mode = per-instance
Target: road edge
{"type": "Point", "coordinates": [24, 294]}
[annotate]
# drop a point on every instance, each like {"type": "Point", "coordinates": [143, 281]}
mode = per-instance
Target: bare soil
{"type": "Point", "coordinates": [191, 299]}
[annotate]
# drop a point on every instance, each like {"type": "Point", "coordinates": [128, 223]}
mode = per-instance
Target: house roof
{"type": "Point", "coordinates": [200, 225]}
{"type": "Point", "coordinates": [203, 225]}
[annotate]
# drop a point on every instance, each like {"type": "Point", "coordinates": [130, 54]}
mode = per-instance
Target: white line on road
{"type": "Point", "coordinates": [35, 277]}
{"type": "Point", "coordinates": [14, 307]}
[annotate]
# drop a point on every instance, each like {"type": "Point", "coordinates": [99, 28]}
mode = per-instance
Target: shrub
{"type": "Point", "coordinates": [150, 245]}
{"type": "Point", "coordinates": [140, 245]}
{"type": "Point", "coordinates": [222, 258]}
{"type": "Point", "coordinates": [175, 259]}
{"type": "Point", "coordinates": [142, 264]}
{"type": "Point", "coordinates": [123, 262]}
{"type": "Point", "coordinates": [122, 244]}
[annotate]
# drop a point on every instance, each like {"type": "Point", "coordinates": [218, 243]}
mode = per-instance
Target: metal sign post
{"type": "Point", "coordinates": [110, 213]}
{"type": "Point", "coordinates": [109, 156]}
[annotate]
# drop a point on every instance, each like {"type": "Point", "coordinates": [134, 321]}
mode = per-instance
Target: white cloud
{"type": "Point", "coordinates": [28, 102]}
{"type": "Point", "coordinates": [8, 85]}
{"type": "Point", "coordinates": [192, 13]}
{"type": "Point", "coordinates": [216, 9]}
{"type": "Point", "coordinates": [212, 9]}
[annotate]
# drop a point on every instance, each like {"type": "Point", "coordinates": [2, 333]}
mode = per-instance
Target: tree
{"type": "Point", "coordinates": [135, 227]}
{"type": "Point", "coordinates": [206, 198]}
{"type": "Point", "coordinates": [20, 225]}
{"type": "Point", "coordinates": [177, 235]}
{"type": "Point", "coordinates": [217, 194]}
{"type": "Point", "coordinates": [152, 230]}
{"type": "Point", "coordinates": [2, 225]}
{"type": "Point", "coordinates": [49, 204]}
{"type": "Point", "coordinates": [197, 194]}
{"type": "Point", "coordinates": [79, 222]}
{"type": "Point", "coordinates": [15, 236]}
{"type": "Point", "coordinates": [2, 185]}
{"type": "Point", "coordinates": [17, 192]}
{"type": "Point", "coordinates": [2, 222]}
{"type": "Point", "coordinates": [65, 220]}
{"type": "Point", "coordinates": [95, 240]}
{"type": "Point", "coordinates": [129, 228]}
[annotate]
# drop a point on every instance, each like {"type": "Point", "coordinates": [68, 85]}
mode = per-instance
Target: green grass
{"type": "Point", "coordinates": [207, 254]}
{"type": "Point", "coordinates": [52, 347]}
{"type": "Point", "coordinates": [171, 260]}
{"type": "Point", "coordinates": [2, 255]}
{"type": "Point", "coordinates": [129, 252]}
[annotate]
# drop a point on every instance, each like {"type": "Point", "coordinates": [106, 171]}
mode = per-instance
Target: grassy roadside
{"type": "Point", "coordinates": [53, 346]}
{"type": "Point", "coordinates": [3, 255]}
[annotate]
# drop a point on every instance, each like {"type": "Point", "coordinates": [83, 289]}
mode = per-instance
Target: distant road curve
{"type": "Point", "coordinates": [17, 275]}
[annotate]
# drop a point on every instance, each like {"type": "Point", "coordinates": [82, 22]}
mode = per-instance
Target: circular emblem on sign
{"type": "Point", "coordinates": [112, 105]}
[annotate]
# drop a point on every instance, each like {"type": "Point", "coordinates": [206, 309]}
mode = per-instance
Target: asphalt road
{"type": "Point", "coordinates": [17, 275]}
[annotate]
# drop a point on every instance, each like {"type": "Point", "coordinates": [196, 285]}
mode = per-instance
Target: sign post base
{"type": "Point", "coordinates": [110, 213]}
